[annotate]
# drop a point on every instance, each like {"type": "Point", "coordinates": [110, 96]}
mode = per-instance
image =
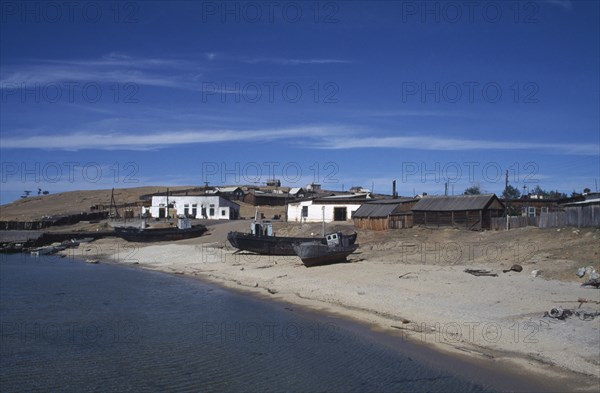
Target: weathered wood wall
{"type": "Point", "coordinates": [514, 222]}
{"type": "Point", "coordinates": [374, 224]}
{"type": "Point", "coordinates": [580, 216]}
{"type": "Point", "coordinates": [399, 221]}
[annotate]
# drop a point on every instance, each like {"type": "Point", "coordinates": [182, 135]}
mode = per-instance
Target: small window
{"type": "Point", "coordinates": [211, 211]}
{"type": "Point", "coordinates": [544, 210]}
{"type": "Point", "coordinates": [304, 211]}
{"type": "Point", "coordinates": [223, 212]}
{"type": "Point", "coordinates": [531, 212]}
{"type": "Point", "coordinates": [339, 214]}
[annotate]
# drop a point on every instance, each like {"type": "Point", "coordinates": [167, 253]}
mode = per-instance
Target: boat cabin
{"type": "Point", "coordinates": [337, 239]}
{"type": "Point", "coordinates": [261, 228]}
{"type": "Point", "coordinates": [333, 239]}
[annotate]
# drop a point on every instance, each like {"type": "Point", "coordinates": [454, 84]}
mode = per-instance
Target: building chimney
{"type": "Point", "coordinates": [394, 195]}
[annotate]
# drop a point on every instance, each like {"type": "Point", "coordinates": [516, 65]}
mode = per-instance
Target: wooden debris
{"type": "Point", "coordinates": [481, 272]}
{"type": "Point", "coordinates": [584, 300]}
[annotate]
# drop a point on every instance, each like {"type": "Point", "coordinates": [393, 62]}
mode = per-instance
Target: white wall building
{"type": "Point", "coordinates": [207, 207]}
{"type": "Point", "coordinates": [335, 208]}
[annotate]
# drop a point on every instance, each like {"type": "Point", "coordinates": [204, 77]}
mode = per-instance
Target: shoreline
{"type": "Point", "coordinates": [541, 350]}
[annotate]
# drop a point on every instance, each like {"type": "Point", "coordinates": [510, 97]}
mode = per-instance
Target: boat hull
{"type": "Point", "coordinates": [315, 254]}
{"type": "Point", "coordinates": [272, 245]}
{"type": "Point", "coordinates": [133, 234]}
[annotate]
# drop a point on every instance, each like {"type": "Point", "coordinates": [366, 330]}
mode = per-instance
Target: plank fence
{"type": "Point", "coordinates": [584, 216]}
{"type": "Point", "coordinates": [499, 223]}
{"type": "Point", "coordinates": [580, 216]}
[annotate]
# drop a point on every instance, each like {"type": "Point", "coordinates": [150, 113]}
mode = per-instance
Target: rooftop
{"type": "Point", "coordinates": [380, 208]}
{"type": "Point", "coordinates": [455, 203]}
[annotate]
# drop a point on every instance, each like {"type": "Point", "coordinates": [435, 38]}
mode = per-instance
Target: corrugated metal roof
{"type": "Point", "coordinates": [454, 203]}
{"type": "Point", "coordinates": [374, 210]}
{"type": "Point", "coordinates": [258, 193]}
{"type": "Point", "coordinates": [380, 208]}
{"type": "Point", "coordinates": [228, 189]}
{"type": "Point", "coordinates": [595, 201]}
{"type": "Point", "coordinates": [395, 201]}
{"type": "Point", "coordinates": [348, 196]}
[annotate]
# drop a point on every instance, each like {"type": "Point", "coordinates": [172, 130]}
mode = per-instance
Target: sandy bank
{"type": "Point", "coordinates": [499, 319]}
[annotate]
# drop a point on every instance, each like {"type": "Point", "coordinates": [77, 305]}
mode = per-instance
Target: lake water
{"type": "Point", "coordinates": [72, 326]}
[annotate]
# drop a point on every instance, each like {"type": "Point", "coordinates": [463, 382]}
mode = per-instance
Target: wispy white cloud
{"type": "Point", "coordinates": [116, 59]}
{"type": "Point", "coordinates": [452, 144]}
{"type": "Point", "coordinates": [113, 68]}
{"type": "Point", "coordinates": [121, 68]}
{"type": "Point", "coordinates": [327, 137]}
{"type": "Point", "coordinates": [111, 140]}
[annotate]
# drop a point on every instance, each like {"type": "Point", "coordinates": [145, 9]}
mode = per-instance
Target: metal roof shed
{"type": "Point", "coordinates": [385, 214]}
{"type": "Point", "coordinates": [467, 211]}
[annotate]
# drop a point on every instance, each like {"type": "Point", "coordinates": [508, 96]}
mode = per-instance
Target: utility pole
{"type": "Point", "coordinates": [113, 206]}
{"type": "Point", "coordinates": [507, 199]}
{"type": "Point", "coordinates": [323, 224]}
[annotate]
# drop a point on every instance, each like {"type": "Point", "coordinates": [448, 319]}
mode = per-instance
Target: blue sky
{"type": "Point", "coordinates": [119, 94]}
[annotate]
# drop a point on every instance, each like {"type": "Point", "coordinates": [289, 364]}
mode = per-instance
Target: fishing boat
{"type": "Point", "coordinates": [183, 230]}
{"type": "Point", "coordinates": [261, 240]}
{"type": "Point", "coordinates": [336, 249]}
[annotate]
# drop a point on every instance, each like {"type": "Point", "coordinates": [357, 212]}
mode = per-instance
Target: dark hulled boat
{"type": "Point", "coordinates": [262, 241]}
{"type": "Point", "coordinates": [336, 249]}
{"type": "Point", "coordinates": [183, 230]}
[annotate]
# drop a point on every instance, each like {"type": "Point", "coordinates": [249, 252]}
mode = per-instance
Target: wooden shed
{"type": "Point", "coordinates": [259, 198]}
{"type": "Point", "coordinates": [465, 211]}
{"type": "Point", "coordinates": [385, 214]}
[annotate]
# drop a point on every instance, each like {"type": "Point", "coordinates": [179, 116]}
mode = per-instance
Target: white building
{"type": "Point", "coordinates": [207, 207]}
{"type": "Point", "coordinates": [334, 208]}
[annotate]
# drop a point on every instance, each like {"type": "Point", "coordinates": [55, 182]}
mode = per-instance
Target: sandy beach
{"type": "Point", "coordinates": [412, 283]}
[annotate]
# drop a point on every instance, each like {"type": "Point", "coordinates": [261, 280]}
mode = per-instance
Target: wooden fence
{"type": "Point", "coordinates": [579, 216]}
{"type": "Point", "coordinates": [499, 223]}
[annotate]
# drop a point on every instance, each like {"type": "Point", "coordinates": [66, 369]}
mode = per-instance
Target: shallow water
{"type": "Point", "coordinates": [72, 326]}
